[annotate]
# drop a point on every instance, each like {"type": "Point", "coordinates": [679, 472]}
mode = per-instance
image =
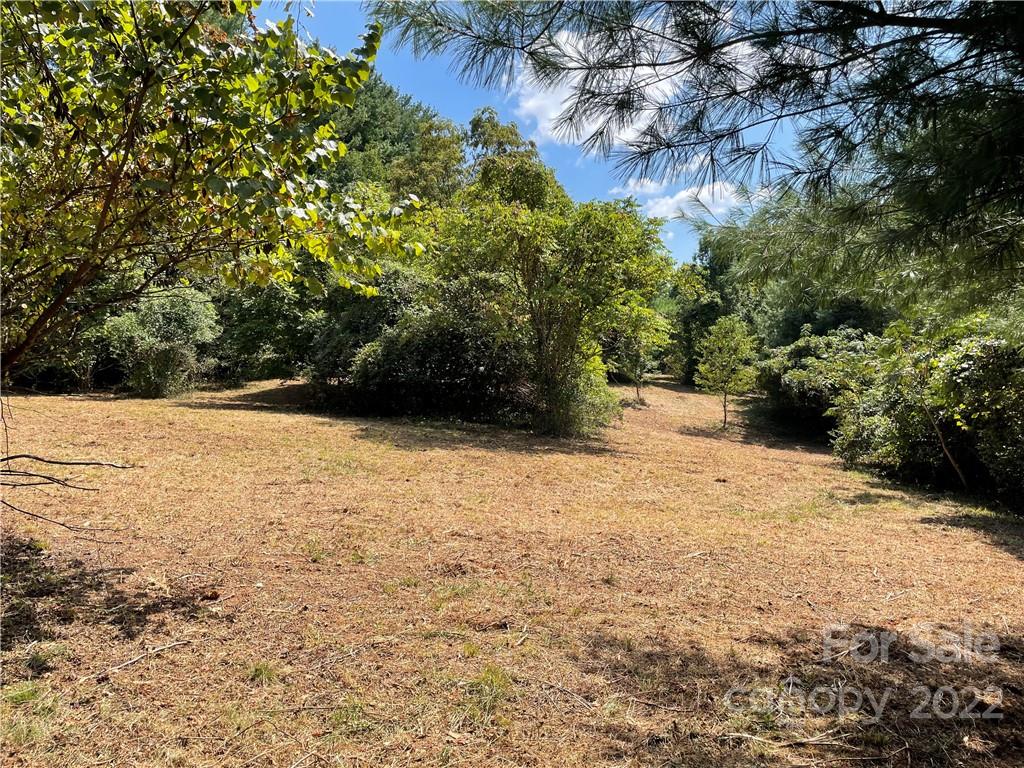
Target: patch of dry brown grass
{"type": "Point", "coordinates": [298, 590]}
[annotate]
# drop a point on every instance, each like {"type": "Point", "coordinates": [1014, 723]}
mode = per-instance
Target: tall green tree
{"type": "Point", "coordinates": [399, 143]}
{"type": "Point", "coordinates": [379, 129]}
{"type": "Point", "coordinates": [435, 167]}
{"type": "Point", "coordinates": [142, 145]}
{"type": "Point", "coordinates": [564, 271]}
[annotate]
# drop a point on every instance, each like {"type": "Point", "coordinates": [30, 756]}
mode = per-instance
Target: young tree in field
{"type": "Point", "coordinates": [141, 145]}
{"type": "Point", "coordinates": [725, 363]}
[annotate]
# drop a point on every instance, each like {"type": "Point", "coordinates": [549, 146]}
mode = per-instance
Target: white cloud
{"type": "Point", "coordinates": [717, 198]}
{"type": "Point", "coordinates": [638, 188]}
{"type": "Point", "coordinates": [541, 109]}
{"type": "Point", "coordinates": [668, 235]}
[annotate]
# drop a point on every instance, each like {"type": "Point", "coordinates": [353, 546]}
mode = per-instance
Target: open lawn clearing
{"type": "Point", "coordinates": [298, 590]}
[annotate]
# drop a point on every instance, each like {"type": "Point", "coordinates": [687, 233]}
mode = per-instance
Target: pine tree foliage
{"type": "Point", "coordinates": [905, 113]}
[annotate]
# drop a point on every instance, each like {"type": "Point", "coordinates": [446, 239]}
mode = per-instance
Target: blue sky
{"type": "Point", "coordinates": [434, 82]}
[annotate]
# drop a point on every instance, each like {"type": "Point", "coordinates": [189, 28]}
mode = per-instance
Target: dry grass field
{"type": "Point", "coordinates": [290, 589]}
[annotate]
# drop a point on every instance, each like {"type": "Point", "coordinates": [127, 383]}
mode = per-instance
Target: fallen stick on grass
{"type": "Point", "coordinates": [139, 658]}
{"type": "Point", "coordinates": [566, 691]}
{"type": "Point", "coordinates": [656, 705]}
{"type": "Point", "coordinates": [818, 740]}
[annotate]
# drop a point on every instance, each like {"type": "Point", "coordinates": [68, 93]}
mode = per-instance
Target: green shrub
{"type": "Point", "coordinates": [157, 346]}
{"type": "Point", "coordinates": [802, 381]}
{"type": "Point", "coordinates": [982, 380]}
{"type": "Point", "coordinates": [70, 368]}
{"type": "Point", "coordinates": [881, 425]}
{"type": "Point", "coordinates": [593, 403]}
{"type": "Point", "coordinates": [935, 410]}
{"type": "Point", "coordinates": [579, 404]}
{"type": "Point", "coordinates": [267, 332]}
{"type": "Point", "coordinates": [441, 361]}
{"type": "Point", "coordinates": [348, 321]}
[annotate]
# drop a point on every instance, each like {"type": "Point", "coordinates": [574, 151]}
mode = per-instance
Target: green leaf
{"type": "Point", "coordinates": [216, 184]}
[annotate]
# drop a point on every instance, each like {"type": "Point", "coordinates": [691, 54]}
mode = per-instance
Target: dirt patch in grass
{"type": "Point", "coordinates": [292, 589]}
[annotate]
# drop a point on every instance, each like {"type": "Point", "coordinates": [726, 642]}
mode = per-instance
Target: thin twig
{"type": "Point", "coordinates": [819, 739]}
{"type": "Point", "coordinates": [46, 480]}
{"type": "Point", "coordinates": [657, 705]}
{"type": "Point", "coordinates": [573, 694]}
{"type": "Point", "coordinates": [74, 528]}
{"type": "Point", "coordinates": [142, 656]}
{"type": "Point", "coordinates": [30, 457]}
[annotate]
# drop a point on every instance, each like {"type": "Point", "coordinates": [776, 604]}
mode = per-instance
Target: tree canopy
{"type": "Point", "coordinates": [565, 272]}
{"type": "Point", "coordinates": [142, 143]}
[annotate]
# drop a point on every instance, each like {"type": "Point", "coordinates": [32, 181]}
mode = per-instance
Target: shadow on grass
{"type": "Point", "coordinates": [752, 424]}
{"type": "Point", "coordinates": [406, 433]}
{"type": "Point", "coordinates": [42, 591]}
{"type": "Point", "coordinates": [885, 491]}
{"type": "Point", "coordinates": [1002, 523]}
{"type": "Point", "coordinates": [434, 435]}
{"type": "Point", "coordinates": [699, 709]}
{"type": "Point", "coordinates": [1003, 529]}
{"type": "Point", "coordinates": [287, 397]}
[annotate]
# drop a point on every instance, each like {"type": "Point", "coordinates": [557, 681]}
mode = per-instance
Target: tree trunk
{"type": "Point", "coordinates": [35, 331]}
{"type": "Point", "coordinates": [945, 449]}
{"type": "Point", "coordinates": [725, 409]}
{"type": "Point", "coordinates": [938, 433]}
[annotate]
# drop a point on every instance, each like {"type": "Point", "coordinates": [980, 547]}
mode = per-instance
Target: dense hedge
{"type": "Point", "coordinates": [160, 345]}
{"type": "Point", "coordinates": [346, 322]}
{"type": "Point", "coordinates": [803, 380]}
{"type": "Point", "coordinates": [442, 362]}
{"type": "Point", "coordinates": [944, 408]}
{"type": "Point", "coordinates": [917, 408]}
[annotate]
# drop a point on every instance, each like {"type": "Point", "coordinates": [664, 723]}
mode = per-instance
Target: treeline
{"type": "Point", "coordinates": [887, 244]}
{"type": "Point", "coordinates": [512, 307]}
{"type": "Point", "coordinates": [922, 382]}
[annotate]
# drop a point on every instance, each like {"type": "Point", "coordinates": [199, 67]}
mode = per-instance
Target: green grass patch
{"type": "Point", "coordinates": [350, 718]}
{"type": "Point", "coordinates": [263, 673]}
{"type": "Point", "coordinates": [485, 693]}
